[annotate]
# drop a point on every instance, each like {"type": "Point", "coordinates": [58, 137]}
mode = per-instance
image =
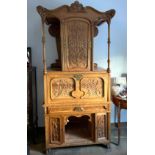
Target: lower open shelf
{"type": "Point", "coordinates": [78, 130]}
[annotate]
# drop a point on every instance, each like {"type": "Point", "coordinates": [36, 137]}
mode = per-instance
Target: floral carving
{"type": "Point", "coordinates": [100, 126]}
{"type": "Point", "coordinates": [62, 88]}
{"type": "Point", "coordinates": [55, 129]}
{"type": "Point", "coordinates": [93, 87]}
{"type": "Point", "coordinates": [77, 44]}
{"type": "Point", "coordinates": [42, 11]}
{"type": "Point", "coordinates": [76, 7]}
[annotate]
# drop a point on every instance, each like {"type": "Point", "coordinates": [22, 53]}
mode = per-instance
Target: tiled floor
{"type": "Point", "coordinates": [38, 148]}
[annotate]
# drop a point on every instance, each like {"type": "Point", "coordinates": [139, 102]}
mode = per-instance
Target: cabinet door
{"type": "Point", "coordinates": [54, 130]}
{"type": "Point", "coordinates": [61, 88]}
{"type": "Point", "coordinates": [73, 87]}
{"type": "Point", "coordinates": [93, 87]}
{"type": "Point", "coordinates": [101, 126]}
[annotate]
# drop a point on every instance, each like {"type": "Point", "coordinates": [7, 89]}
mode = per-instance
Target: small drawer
{"type": "Point", "coordinates": [72, 109]}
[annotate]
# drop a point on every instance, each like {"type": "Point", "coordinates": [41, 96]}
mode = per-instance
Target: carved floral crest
{"type": "Point", "coordinates": [76, 7]}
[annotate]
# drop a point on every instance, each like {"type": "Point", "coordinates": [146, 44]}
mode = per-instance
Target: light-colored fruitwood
{"type": "Point", "coordinates": [76, 91]}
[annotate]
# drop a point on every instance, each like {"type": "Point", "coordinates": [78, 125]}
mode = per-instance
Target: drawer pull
{"type": "Point", "coordinates": [78, 76]}
{"type": "Point", "coordinates": [78, 109]}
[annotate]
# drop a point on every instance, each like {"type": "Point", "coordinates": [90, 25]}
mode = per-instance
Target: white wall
{"type": "Point", "coordinates": [118, 40]}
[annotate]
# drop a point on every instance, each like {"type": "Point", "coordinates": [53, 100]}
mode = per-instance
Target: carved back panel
{"type": "Point", "coordinates": [76, 47]}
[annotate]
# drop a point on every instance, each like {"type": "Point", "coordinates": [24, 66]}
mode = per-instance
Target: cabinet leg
{"type": "Point", "coordinates": [108, 146]}
{"type": "Point", "coordinates": [47, 151]}
{"type": "Point", "coordinates": [52, 152]}
{"type": "Point", "coordinates": [115, 115]}
{"type": "Point", "coordinates": [119, 116]}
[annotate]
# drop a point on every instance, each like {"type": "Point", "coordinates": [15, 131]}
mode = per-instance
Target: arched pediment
{"type": "Point", "coordinates": [76, 9]}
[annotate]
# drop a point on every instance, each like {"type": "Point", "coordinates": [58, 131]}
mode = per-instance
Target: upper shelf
{"type": "Point", "coordinates": [75, 10]}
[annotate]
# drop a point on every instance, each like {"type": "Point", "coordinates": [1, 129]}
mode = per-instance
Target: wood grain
{"type": "Point", "coordinates": [76, 94]}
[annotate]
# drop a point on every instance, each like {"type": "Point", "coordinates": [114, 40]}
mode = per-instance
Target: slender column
{"type": "Point", "coordinates": [43, 47]}
{"type": "Point", "coordinates": [109, 108]}
{"type": "Point", "coordinates": [108, 69]}
{"type": "Point", "coordinates": [119, 120]}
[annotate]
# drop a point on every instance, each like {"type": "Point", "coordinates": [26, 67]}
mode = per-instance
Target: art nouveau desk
{"type": "Point", "coordinates": [76, 92]}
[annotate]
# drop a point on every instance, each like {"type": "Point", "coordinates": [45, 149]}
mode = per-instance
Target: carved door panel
{"type": "Point", "coordinates": [76, 48]}
{"type": "Point", "coordinates": [61, 88]}
{"type": "Point", "coordinates": [56, 130]}
{"type": "Point", "coordinates": [72, 86]}
{"type": "Point", "coordinates": [100, 126]}
{"type": "Point", "coordinates": [93, 87]}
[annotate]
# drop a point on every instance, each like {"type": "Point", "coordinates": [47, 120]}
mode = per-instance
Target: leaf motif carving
{"type": "Point", "coordinates": [100, 126]}
{"type": "Point", "coordinates": [77, 44]}
{"type": "Point", "coordinates": [62, 88]}
{"type": "Point", "coordinates": [55, 129]}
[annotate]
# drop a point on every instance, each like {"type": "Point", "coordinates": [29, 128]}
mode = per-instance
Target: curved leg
{"type": "Point", "coordinates": [119, 117]}
{"type": "Point", "coordinates": [115, 115]}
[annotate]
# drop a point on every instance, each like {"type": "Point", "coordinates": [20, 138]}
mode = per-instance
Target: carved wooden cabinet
{"type": "Point", "coordinates": [76, 91]}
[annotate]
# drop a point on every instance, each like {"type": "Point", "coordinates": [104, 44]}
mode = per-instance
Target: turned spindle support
{"type": "Point", "coordinates": [108, 69]}
{"type": "Point", "coordinates": [44, 47]}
